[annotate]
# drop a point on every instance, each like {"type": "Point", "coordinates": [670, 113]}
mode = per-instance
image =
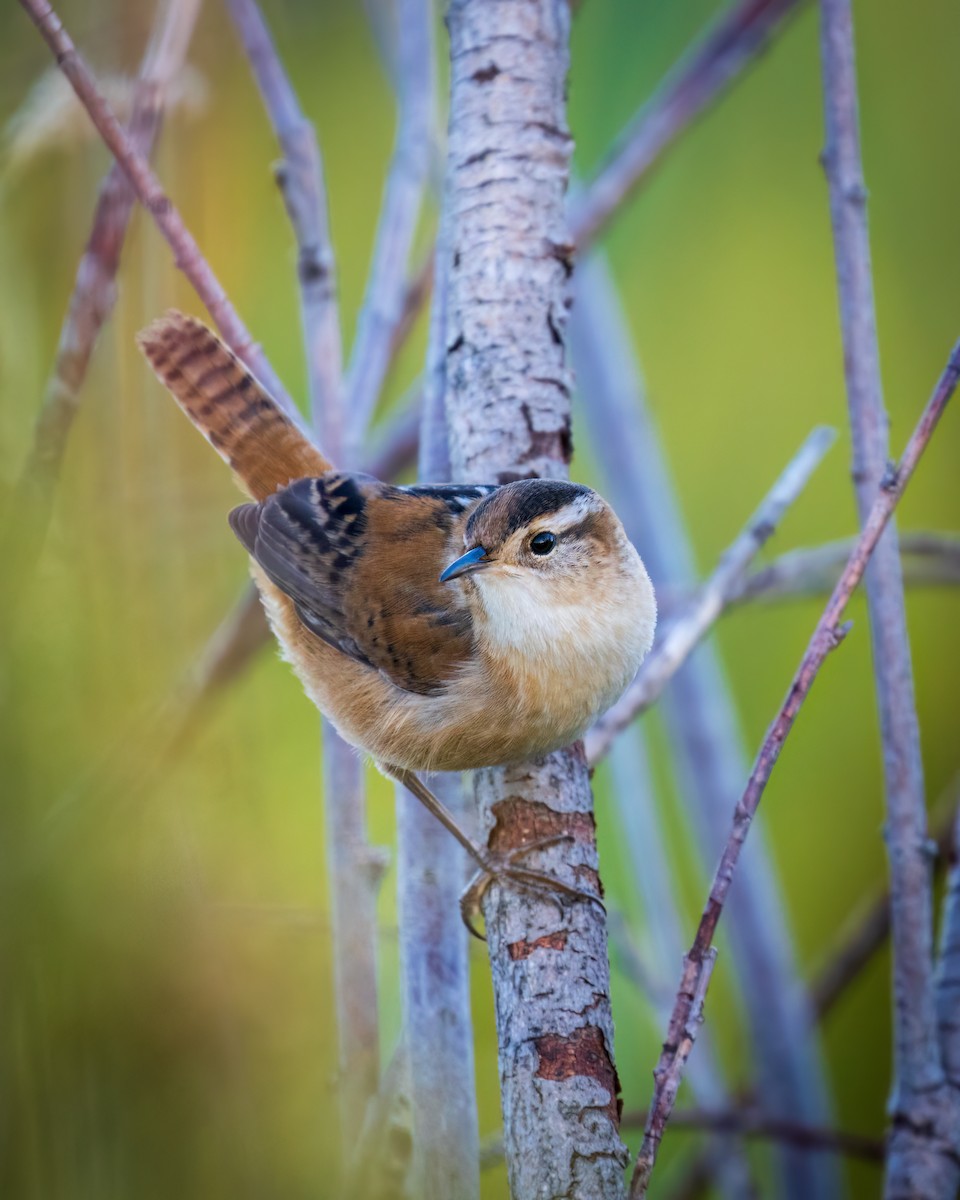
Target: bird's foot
{"type": "Point", "coordinates": [505, 869]}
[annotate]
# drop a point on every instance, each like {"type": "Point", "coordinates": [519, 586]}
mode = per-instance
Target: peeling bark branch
{"type": "Point", "coordinates": [826, 636]}
{"type": "Point", "coordinates": [922, 1106]}
{"type": "Point", "coordinates": [95, 287]}
{"type": "Point", "coordinates": [385, 302]}
{"type": "Point", "coordinates": [187, 254]}
{"type": "Point", "coordinates": [732, 44]}
{"type": "Point", "coordinates": [300, 176]}
{"type": "Point", "coordinates": [676, 645]}
{"type": "Point", "coordinates": [508, 403]}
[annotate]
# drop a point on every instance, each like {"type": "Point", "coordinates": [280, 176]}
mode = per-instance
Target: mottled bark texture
{"type": "Point", "coordinates": [508, 403]}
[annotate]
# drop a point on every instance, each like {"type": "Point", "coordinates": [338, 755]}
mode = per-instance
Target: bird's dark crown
{"type": "Point", "coordinates": [515, 505]}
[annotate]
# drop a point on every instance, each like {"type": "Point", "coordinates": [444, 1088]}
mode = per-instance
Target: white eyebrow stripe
{"type": "Point", "coordinates": [569, 516]}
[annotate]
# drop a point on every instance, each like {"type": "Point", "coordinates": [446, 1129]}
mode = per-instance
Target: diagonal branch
{"type": "Point", "coordinates": [826, 636]}
{"type": "Point", "coordinates": [731, 44]}
{"type": "Point", "coordinates": [95, 287]}
{"type": "Point", "coordinates": [151, 195]}
{"type": "Point", "coordinates": [300, 176]}
{"type": "Point", "coordinates": [685, 633]}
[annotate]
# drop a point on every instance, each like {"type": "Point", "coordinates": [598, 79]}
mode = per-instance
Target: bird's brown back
{"type": "Point", "coordinates": [361, 561]}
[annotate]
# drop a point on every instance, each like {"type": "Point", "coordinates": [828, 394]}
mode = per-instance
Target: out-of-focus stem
{"type": "Point", "coordinates": [700, 717]}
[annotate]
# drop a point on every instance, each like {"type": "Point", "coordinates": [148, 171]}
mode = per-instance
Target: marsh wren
{"type": "Point", "coordinates": [440, 627]}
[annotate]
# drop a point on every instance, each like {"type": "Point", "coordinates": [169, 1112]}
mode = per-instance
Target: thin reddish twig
{"type": "Point", "coordinates": [95, 288]}
{"type": "Point", "coordinates": [150, 193]}
{"type": "Point", "coordinates": [826, 636]}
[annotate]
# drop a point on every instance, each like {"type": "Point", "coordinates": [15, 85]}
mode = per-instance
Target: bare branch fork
{"type": "Point", "coordinates": [151, 195]}
{"type": "Point", "coordinates": [437, 1036]}
{"type": "Point", "coordinates": [826, 636]}
{"type": "Point", "coordinates": [684, 634]}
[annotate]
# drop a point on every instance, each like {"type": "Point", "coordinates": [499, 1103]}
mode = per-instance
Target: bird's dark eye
{"type": "Point", "coordinates": [543, 543]}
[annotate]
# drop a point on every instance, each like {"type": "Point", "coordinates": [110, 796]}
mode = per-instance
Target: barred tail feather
{"type": "Point", "coordinates": [232, 410]}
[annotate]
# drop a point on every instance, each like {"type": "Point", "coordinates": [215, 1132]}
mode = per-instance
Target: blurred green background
{"type": "Point", "coordinates": [166, 995]}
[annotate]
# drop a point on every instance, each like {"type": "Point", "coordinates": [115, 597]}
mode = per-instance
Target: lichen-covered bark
{"type": "Point", "coordinates": [508, 401]}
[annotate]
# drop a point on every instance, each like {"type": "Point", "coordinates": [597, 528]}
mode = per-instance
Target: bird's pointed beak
{"type": "Point", "coordinates": [473, 560]}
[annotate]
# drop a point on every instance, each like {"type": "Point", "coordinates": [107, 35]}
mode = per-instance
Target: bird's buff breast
{"type": "Point", "coordinates": [539, 681]}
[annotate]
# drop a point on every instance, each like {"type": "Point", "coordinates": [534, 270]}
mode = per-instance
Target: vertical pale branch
{"type": "Point", "coordinates": [700, 716]}
{"type": "Point", "coordinates": [435, 978]}
{"type": "Point", "coordinates": [95, 287]}
{"type": "Point", "coordinates": [149, 192]}
{"type": "Point", "coordinates": [355, 870]}
{"type": "Point", "coordinates": [508, 403]}
{"type": "Point", "coordinates": [300, 176]}
{"type": "Point", "coordinates": [431, 872]}
{"type": "Point", "coordinates": [385, 299]}
{"type": "Point", "coordinates": [921, 1103]}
